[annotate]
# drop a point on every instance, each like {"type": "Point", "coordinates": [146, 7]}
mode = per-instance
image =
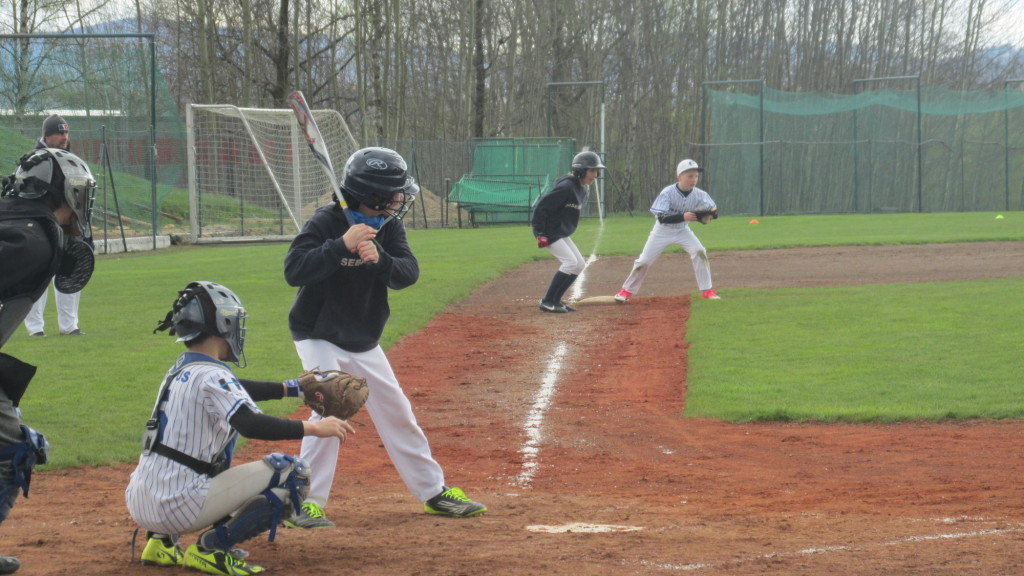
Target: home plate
{"type": "Point", "coordinates": [583, 528]}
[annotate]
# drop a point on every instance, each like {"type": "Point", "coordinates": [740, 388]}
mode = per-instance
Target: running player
{"type": "Point", "coordinates": [674, 210]}
{"type": "Point", "coordinates": [556, 217]}
{"type": "Point", "coordinates": [184, 481]}
{"type": "Point", "coordinates": [338, 317]}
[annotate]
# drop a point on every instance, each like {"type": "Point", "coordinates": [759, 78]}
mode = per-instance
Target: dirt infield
{"type": "Point", "coordinates": [570, 428]}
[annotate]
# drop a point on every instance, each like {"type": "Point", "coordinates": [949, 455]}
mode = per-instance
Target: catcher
{"type": "Point", "coordinates": [675, 207]}
{"type": "Point", "coordinates": [184, 481]}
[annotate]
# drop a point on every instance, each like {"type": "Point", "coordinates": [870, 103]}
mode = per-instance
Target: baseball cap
{"type": "Point", "coordinates": [54, 125]}
{"type": "Point", "coordinates": [687, 165]}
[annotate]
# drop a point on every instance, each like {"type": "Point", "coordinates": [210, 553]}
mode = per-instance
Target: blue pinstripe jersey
{"type": "Point", "coordinates": [163, 495]}
{"type": "Point", "coordinates": [671, 201]}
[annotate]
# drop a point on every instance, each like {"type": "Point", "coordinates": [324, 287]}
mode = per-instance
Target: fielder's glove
{"type": "Point", "coordinates": [705, 216]}
{"type": "Point", "coordinates": [333, 393]}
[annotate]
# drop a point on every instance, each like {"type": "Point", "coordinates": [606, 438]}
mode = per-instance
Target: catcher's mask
{"type": "Point", "coordinates": [379, 179]}
{"type": "Point", "coordinates": [207, 308]}
{"type": "Point", "coordinates": [62, 177]}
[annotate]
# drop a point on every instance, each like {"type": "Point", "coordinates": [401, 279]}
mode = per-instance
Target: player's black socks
{"type": "Point", "coordinates": [566, 283]}
{"type": "Point", "coordinates": [555, 290]}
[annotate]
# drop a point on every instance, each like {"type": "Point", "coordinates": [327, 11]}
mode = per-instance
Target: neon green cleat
{"type": "Point", "coordinates": [218, 562]}
{"type": "Point", "coordinates": [453, 502]}
{"type": "Point", "coordinates": [162, 552]}
{"type": "Point", "coordinates": [311, 515]}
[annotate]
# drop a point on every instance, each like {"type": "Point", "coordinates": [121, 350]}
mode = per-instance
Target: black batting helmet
{"type": "Point", "coordinates": [373, 177]}
{"type": "Point", "coordinates": [584, 161]}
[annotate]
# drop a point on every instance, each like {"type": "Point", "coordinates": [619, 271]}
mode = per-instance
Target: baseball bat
{"type": "Point", "coordinates": [316, 144]}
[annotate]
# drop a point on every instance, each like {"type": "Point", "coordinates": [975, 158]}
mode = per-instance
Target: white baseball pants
{"type": "Point", "coordinates": [232, 488]}
{"type": "Point", "coordinates": [67, 312]}
{"type": "Point", "coordinates": [391, 413]}
{"type": "Point", "coordinates": [569, 255]}
{"type": "Point", "coordinates": [662, 236]}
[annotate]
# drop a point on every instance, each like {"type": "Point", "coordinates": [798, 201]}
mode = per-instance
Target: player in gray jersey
{"type": "Point", "coordinates": [675, 207]}
{"type": "Point", "coordinates": [184, 481]}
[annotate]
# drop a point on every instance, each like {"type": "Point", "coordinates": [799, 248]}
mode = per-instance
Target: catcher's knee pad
{"type": "Point", "coordinates": [296, 474]}
{"type": "Point", "coordinates": [259, 514]}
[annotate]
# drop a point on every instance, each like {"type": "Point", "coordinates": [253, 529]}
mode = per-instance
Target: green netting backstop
{"type": "Point", "coordinates": [509, 175]}
{"type": "Point", "coordinates": [928, 150]}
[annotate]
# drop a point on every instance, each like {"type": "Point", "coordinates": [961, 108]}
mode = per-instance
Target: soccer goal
{"type": "Point", "coordinates": [251, 174]}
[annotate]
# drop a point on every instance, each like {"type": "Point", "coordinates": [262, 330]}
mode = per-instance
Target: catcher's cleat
{"type": "Point", "coordinates": [162, 552]}
{"type": "Point", "coordinates": [710, 295]}
{"type": "Point", "coordinates": [557, 307]}
{"type": "Point", "coordinates": [453, 502]}
{"type": "Point", "coordinates": [567, 307]}
{"type": "Point", "coordinates": [311, 515]}
{"type": "Point", "coordinates": [623, 296]}
{"type": "Point", "coordinates": [218, 562]}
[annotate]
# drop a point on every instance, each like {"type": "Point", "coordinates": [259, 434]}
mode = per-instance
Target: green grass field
{"type": "Point", "coordinates": [924, 353]}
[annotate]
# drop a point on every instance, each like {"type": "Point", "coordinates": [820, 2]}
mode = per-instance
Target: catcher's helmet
{"type": "Point", "coordinates": [60, 177]}
{"type": "Point", "coordinates": [584, 161]}
{"type": "Point", "coordinates": [208, 308]}
{"type": "Point", "coordinates": [374, 177]}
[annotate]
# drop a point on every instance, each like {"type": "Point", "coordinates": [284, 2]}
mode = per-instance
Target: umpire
{"type": "Point", "coordinates": [44, 213]}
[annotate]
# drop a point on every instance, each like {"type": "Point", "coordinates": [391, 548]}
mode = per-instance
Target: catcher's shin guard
{"type": "Point", "coordinates": [259, 514]}
{"type": "Point", "coordinates": [16, 464]}
{"type": "Point", "coordinates": [264, 511]}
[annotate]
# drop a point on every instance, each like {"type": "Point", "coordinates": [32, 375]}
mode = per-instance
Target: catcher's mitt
{"type": "Point", "coordinates": [705, 216]}
{"type": "Point", "coordinates": [333, 393]}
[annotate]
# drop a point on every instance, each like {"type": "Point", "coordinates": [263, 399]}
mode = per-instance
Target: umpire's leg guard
{"type": "Point", "coordinates": [262, 512]}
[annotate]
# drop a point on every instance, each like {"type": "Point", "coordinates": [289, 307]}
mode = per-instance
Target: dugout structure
{"type": "Point", "coordinates": [251, 173]}
{"type": "Point", "coordinates": [509, 175]}
{"type": "Point", "coordinates": [921, 149]}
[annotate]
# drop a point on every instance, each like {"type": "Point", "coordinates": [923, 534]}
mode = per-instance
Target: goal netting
{"type": "Point", "coordinates": [251, 173]}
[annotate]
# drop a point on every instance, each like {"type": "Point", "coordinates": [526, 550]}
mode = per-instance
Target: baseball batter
{"type": "Point", "coordinates": [339, 314]}
{"type": "Point", "coordinates": [554, 220]}
{"type": "Point", "coordinates": [184, 481]}
{"type": "Point", "coordinates": [675, 207]}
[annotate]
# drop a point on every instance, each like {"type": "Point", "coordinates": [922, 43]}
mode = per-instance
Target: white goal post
{"type": "Point", "coordinates": [251, 175]}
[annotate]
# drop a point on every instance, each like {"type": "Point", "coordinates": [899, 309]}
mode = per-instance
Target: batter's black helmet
{"type": "Point", "coordinates": [584, 161]}
{"type": "Point", "coordinates": [372, 176]}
